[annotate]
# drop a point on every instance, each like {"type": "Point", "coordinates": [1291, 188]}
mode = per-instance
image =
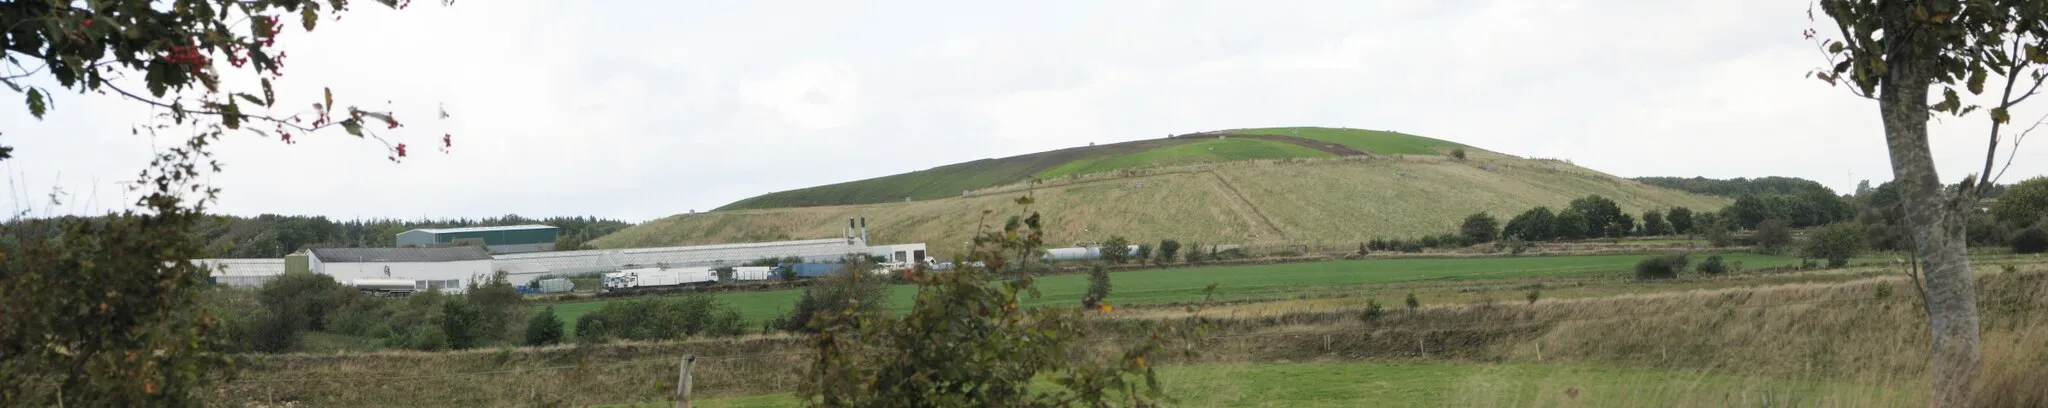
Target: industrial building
{"type": "Point", "coordinates": [526, 266]}
{"type": "Point", "coordinates": [450, 269]}
{"type": "Point", "coordinates": [242, 272]}
{"type": "Point", "coordinates": [499, 240]}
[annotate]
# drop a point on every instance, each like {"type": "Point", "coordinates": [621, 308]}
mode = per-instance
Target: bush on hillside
{"type": "Point", "coordinates": [1458, 153]}
{"type": "Point", "coordinates": [1712, 266]}
{"type": "Point", "coordinates": [1144, 253]}
{"type": "Point", "coordinates": [544, 328]}
{"type": "Point", "coordinates": [1662, 267]}
{"type": "Point", "coordinates": [1569, 225]}
{"type": "Point", "coordinates": [1116, 250]}
{"type": "Point", "coordinates": [1373, 311]}
{"type": "Point", "coordinates": [2031, 241]}
{"type": "Point", "coordinates": [1835, 242]}
{"type": "Point", "coordinates": [1169, 250]}
{"type": "Point", "coordinates": [1773, 236]}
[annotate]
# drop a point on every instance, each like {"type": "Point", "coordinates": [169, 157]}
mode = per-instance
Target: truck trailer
{"type": "Point", "coordinates": [658, 277]}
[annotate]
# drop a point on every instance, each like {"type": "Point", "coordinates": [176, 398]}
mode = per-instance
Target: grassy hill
{"type": "Point", "coordinates": [1208, 147]}
{"type": "Point", "coordinates": [1340, 200]}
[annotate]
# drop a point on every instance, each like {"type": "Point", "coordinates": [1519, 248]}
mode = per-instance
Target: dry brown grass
{"type": "Point", "coordinates": [1746, 341]}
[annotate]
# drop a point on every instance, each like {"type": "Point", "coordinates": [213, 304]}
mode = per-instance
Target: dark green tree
{"type": "Point", "coordinates": [1773, 236]}
{"type": "Point", "coordinates": [1654, 224]}
{"type": "Point", "coordinates": [1116, 250]}
{"type": "Point", "coordinates": [2031, 241]}
{"type": "Point", "coordinates": [2024, 204]}
{"type": "Point", "coordinates": [1098, 287]}
{"type": "Point", "coordinates": [1168, 251]}
{"type": "Point", "coordinates": [1534, 225]}
{"type": "Point", "coordinates": [1569, 225]}
{"type": "Point", "coordinates": [1681, 220]}
{"type": "Point", "coordinates": [1599, 214]}
{"type": "Point", "coordinates": [544, 328]}
{"type": "Point", "coordinates": [1480, 228]}
{"type": "Point", "coordinates": [1835, 242]}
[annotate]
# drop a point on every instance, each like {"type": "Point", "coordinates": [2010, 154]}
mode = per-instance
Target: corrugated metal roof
{"type": "Point", "coordinates": [447, 254]}
{"type": "Point", "coordinates": [243, 266]}
{"type": "Point", "coordinates": [482, 229]}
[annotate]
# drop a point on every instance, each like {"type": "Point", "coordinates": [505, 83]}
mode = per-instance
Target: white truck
{"type": "Point", "coordinates": [655, 277]}
{"type": "Point", "coordinates": [753, 273]}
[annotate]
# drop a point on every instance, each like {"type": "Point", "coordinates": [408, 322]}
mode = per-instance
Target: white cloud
{"type": "Point", "coordinates": [647, 108]}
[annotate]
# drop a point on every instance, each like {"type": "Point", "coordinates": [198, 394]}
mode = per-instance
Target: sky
{"type": "Point", "coordinates": [641, 109]}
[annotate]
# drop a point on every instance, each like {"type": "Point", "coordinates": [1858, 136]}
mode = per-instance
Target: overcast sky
{"type": "Point", "coordinates": [642, 109]}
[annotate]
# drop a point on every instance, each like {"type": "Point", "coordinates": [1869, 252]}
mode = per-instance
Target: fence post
{"type": "Point", "coordinates": [683, 381]}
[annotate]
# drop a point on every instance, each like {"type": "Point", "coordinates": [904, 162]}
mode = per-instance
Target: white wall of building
{"type": "Point", "coordinates": [460, 272]}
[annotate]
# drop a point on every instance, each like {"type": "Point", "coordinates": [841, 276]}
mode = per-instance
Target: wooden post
{"type": "Point", "coordinates": [683, 381]}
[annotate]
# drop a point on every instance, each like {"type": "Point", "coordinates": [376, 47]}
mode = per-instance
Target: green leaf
{"type": "Point", "coordinates": [1949, 102]}
{"type": "Point", "coordinates": [251, 98]}
{"type": "Point", "coordinates": [307, 17]}
{"type": "Point", "coordinates": [1999, 115]}
{"type": "Point", "coordinates": [36, 103]}
{"type": "Point", "coordinates": [1834, 47]}
{"type": "Point", "coordinates": [1976, 83]}
{"type": "Point", "coordinates": [353, 127]}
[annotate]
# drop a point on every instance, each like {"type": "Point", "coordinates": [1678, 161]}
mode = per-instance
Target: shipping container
{"type": "Point", "coordinates": [753, 273]}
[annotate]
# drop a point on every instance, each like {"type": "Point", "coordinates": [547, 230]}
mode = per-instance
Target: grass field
{"type": "Point", "coordinates": [1375, 141]}
{"type": "Point", "coordinates": [1339, 201]}
{"type": "Point", "coordinates": [1351, 384]}
{"type": "Point", "coordinates": [1249, 282]}
{"type": "Point", "coordinates": [1207, 151]}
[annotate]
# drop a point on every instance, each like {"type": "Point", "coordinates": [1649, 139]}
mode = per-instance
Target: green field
{"type": "Point", "coordinates": [1207, 151]}
{"type": "Point", "coordinates": [1338, 384]}
{"type": "Point", "coordinates": [1375, 141]}
{"type": "Point", "coordinates": [1251, 281]}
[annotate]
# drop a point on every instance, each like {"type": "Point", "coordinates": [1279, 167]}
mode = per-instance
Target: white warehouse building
{"type": "Point", "coordinates": [526, 266]}
{"type": "Point", "coordinates": [450, 269]}
{"type": "Point", "coordinates": [242, 272]}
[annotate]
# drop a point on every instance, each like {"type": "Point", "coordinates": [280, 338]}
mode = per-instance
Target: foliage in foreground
{"type": "Point", "coordinates": [660, 318]}
{"type": "Point", "coordinates": [968, 342]}
{"type": "Point", "coordinates": [1662, 267]}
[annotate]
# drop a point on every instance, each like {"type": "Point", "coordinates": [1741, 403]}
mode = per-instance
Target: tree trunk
{"type": "Point", "coordinates": [1936, 227]}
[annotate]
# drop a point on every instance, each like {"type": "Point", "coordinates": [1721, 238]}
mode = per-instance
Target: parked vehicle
{"type": "Point", "coordinates": [753, 273]}
{"type": "Point", "coordinates": [657, 277]}
{"type": "Point", "coordinates": [385, 287]}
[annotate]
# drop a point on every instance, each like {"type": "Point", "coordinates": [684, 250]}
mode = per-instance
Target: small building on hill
{"type": "Point", "coordinates": [498, 240]}
{"type": "Point", "coordinates": [447, 268]}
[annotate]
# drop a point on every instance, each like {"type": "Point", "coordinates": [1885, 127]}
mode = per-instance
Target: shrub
{"type": "Point", "coordinates": [1532, 225]}
{"type": "Point", "coordinates": [1773, 236]}
{"type": "Point", "coordinates": [1116, 250]}
{"type": "Point", "coordinates": [1480, 228]}
{"type": "Point", "coordinates": [544, 328]}
{"type": "Point", "coordinates": [1535, 294]}
{"type": "Point", "coordinates": [1458, 153]}
{"type": "Point", "coordinates": [305, 297]}
{"type": "Point", "coordinates": [1373, 311]}
{"type": "Point", "coordinates": [1835, 242]}
{"type": "Point", "coordinates": [831, 293]}
{"type": "Point", "coordinates": [1515, 245]}
{"type": "Point", "coordinates": [1411, 247]}
{"type": "Point", "coordinates": [1570, 224]}
{"type": "Point", "coordinates": [1098, 287]}
{"type": "Point", "coordinates": [1195, 253]}
{"type": "Point", "coordinates": [1169, 250]}
{"type": "Point", "coordinates": [1654, 224]}
{"type": "Point", "coordinates": [1681, 220]}
{"type": "Point", "coordinates": [1662, 267]}
{"type": "Point", "coordinates": [2031, 241]}
{"type": "Point", "coordinates": [1712, 266]}
{"type": "Point", "coordinates": [1144, 253]}
{"type": "Point", "coordinates": [661, 318]}
{"type": "Point", "coordinates": [1413, 303]}
{"type": "Point", "coordinates": [1429, 242]}
{"type": "Point", "coordinates": [1717, 232]}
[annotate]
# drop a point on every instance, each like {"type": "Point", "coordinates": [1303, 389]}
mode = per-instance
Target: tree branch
{"type": "Point", "coordinates": [2014, 154]}
{"type": "Point", "coordinates": [243, 116]}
